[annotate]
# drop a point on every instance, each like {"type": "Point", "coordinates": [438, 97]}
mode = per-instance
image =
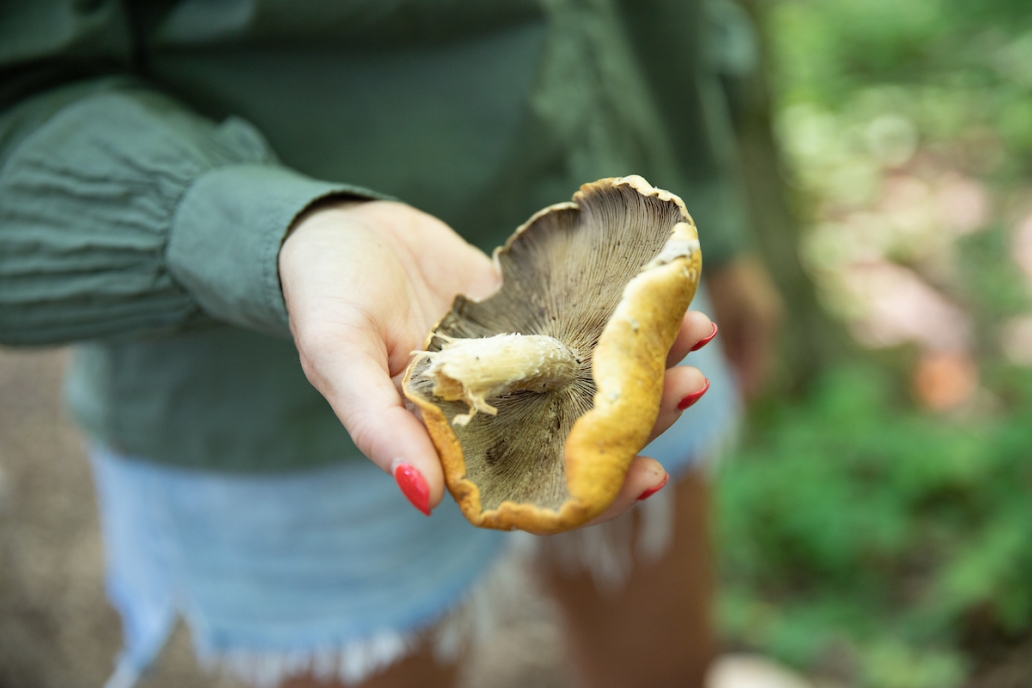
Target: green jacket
{"type": "Point", "coordinates": [153, 154]}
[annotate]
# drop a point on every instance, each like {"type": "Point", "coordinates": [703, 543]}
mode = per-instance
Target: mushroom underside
{"type": "Point", "coordinates": [564, 274]}
{"type": "Point", "coordinates": [517, 455]}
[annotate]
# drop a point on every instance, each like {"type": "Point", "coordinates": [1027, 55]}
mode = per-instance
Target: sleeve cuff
{"type": "Point", "coordinates": [226, 236]}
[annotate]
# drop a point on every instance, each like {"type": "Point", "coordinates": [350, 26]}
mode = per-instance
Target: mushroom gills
{"type": "Point", "coordinates": [542, 439]}
{"type": "Point", "coordinates": [475, 370]}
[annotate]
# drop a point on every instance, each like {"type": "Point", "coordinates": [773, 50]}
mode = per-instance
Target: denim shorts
{"type": "Point", "coordinates": [326, 570]}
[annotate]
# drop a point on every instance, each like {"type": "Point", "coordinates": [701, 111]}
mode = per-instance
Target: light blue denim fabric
{"type": "Point", "coordinates": [315, 559]}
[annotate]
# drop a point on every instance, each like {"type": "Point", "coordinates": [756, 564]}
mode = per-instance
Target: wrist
{"type": "Point", "coordinates": [322, 210]}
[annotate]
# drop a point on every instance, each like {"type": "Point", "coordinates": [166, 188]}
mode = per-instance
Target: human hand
{"type": "Point", "coordinates": [363, 284]}
{"type": "Point", "coordinates": [749, 309]}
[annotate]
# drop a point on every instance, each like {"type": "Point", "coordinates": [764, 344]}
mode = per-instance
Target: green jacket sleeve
{"type": "Point", "coordinates": [671, 39]}
{"type": "Point", "coordinates": [122, 212]}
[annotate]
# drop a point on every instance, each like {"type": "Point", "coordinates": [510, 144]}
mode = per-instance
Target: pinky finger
{"type": "Point", "coordinates": [644, 478]}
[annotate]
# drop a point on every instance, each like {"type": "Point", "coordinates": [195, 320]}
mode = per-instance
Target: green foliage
{"type": "Point", "coordinates": [828, 48]}
{"type": "Point", "coordinates": [995, 289]}
{"type": "Point", "coordinates": [852, 521]}
{"type": "Point", "coordinates": [861, 536]}
{"type": "Point", "coordinates": [964, 63]}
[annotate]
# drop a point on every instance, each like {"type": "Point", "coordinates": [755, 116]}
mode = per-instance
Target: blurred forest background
{"type": "Point", "coordinates": [876, 530]}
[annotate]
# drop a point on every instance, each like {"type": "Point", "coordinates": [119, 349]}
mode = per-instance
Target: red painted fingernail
{"type": "Point", "coordinates": [413, 486]}
{"type": "Point", "coordinates": [706, 340]}
{"type": "Point", "coordinates": [653, 490]}
{"type": "Point", "coordinates": [692, 398]}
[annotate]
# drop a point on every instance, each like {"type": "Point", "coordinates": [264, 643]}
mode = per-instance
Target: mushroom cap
{"type": "Point", "coordinates": [610, 275]}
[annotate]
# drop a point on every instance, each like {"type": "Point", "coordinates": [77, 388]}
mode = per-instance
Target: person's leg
{"type": "Point", "coordinates": [418, 670]}
{"type": "Point", "coordinates": [656, 631]}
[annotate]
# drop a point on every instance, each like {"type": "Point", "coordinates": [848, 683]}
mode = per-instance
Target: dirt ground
{"type": "Point", "coordinates": [56, 628]}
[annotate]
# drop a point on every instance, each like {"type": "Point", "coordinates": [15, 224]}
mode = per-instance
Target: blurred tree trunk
{"type": "Point", "coordinates": [811, 340]}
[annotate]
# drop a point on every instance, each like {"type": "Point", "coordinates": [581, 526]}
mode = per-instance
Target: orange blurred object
{"type": "Point", "coordinates": [943, 381]}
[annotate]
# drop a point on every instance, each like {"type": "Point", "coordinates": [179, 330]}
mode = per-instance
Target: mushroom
{"type": "Point", "coordinates": [538, 397]}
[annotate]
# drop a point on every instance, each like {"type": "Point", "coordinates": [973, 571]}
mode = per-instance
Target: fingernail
{"type": "Point", "coordinates": [706, 340]}
{"type": "Point", "coordinates": [413, 486]}
{"type": "Point", "coordinates": [653, 490]}
{"type": "Point", "coordinates": [692, 398]}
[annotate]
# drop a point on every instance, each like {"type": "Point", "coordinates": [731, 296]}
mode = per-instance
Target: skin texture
{"type": "Point", "coordinates": [370, 279]}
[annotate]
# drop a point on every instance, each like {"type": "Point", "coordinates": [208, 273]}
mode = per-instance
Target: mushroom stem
{"type": "Point", "coordinates": [474, 370]}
